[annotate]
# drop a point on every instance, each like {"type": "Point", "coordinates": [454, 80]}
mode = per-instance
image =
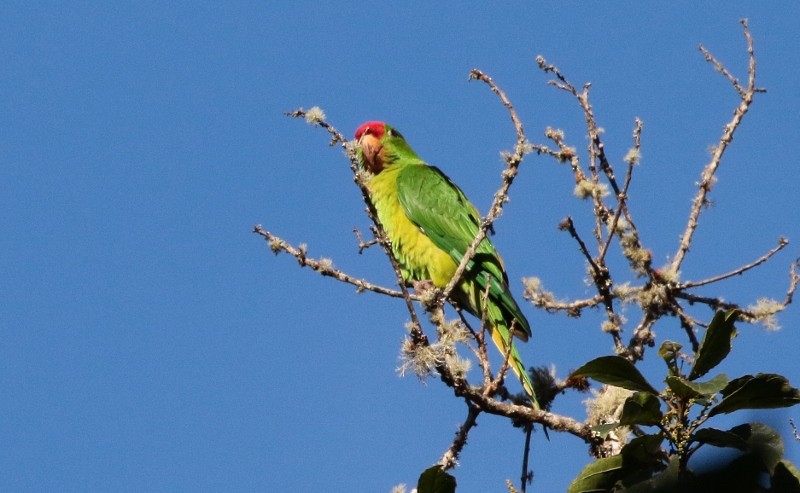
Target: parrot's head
{"type": "Point", "coordinates": [380, 145]}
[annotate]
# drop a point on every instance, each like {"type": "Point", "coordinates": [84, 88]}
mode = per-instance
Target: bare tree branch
{"type": "Point", "coordinates": [323, 266]}
{"type": "Point", "coordinates": [363, 245]}
{"type": "Point", "coordinates": [707, 178]}
{"type": "Point", "coordinates": [450, 458]}
{"type": "Point", "coordinates": [782, 242]}
{"type": "Point", "coordinates": [501, 196]}
{"type": "Point", "coordinates": [794, 430]}
{"type": "Point", "coordinates": [622, 196]}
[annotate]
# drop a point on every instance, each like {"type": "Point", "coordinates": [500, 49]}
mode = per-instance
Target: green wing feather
{"type": "Point", "coordinates": [442, 212]}
{"type": "Point", "coordinates": [445, 215]}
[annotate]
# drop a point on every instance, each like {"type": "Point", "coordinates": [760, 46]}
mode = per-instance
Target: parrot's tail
{"type": "Point", "coordinates": [501, 335]}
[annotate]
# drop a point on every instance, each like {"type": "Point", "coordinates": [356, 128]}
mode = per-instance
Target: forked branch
{"type": "Point", "coordinates": [707, 177]}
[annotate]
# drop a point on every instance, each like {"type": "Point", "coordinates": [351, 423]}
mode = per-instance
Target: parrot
{"type": "Point", "coordinates": [430, 224]}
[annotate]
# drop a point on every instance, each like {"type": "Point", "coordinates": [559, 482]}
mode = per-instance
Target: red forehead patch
{"type": "Point", "coordinates": [373, 128]}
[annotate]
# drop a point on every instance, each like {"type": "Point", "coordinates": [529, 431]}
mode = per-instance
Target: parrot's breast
{"type": "Point", "coordinates": [419, 258]}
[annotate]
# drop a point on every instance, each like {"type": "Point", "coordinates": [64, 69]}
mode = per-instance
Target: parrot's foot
{"type": "Point", "coordinates": [420, 287]}
{"type": "Point", "coordinates": [427, 292]}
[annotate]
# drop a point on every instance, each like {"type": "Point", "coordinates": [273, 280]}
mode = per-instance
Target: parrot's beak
{"type": "Point", "coordinates": [371, 153]}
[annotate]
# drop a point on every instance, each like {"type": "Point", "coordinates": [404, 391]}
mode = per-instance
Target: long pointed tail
{"type": "Point", "coordinates": [502, 339]}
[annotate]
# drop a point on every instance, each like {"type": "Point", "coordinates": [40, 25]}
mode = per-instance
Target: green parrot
{"type": "Point", "coordinates": [430, 224]}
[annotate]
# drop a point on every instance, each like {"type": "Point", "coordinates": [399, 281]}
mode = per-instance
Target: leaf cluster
{"type": "Point", "coordinates": [670, 423]}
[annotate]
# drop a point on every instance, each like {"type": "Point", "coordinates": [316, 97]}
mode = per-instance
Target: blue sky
{"type": "Point", "coordinates": [151, 342]}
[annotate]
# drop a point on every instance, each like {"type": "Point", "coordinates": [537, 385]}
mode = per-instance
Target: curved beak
{"type": "Point", "coordinates": [371, 153]}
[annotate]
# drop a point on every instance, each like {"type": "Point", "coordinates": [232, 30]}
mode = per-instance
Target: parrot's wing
{"type": "Point", "coordinates": [445, 215]}
{"type": "Point", "coordinates": [440, 209]}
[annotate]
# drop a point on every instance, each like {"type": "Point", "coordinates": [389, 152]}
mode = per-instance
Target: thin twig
{"type": "Point", "coordinates": [782, 242]}
{"type": "Point", "coordinates": [794, 430]}
{"type": "Point", "coordinates": [450, 458]}
{"type": "Point", "coordinates": [572, 308]}
{"type": "Point", "coordinates": [501, 196]}
{"type": "Point", "coordinates": [363, 245]}
{"type": "Point", "coordinates": [498, 380]}
{"type": "Point", "coordinates": [642, 336]}
{"type": "Point", "coordinates": [568, 225]}
{"type": "Point", "coordinates": [708, 174]}
{"type": "Point", "coordinates": [714, 303]}
{"type": "Point", "coordinates": [595, 147]}
{"type": "Point", "coordinates": [492, 384]}
{"type": "Point", "coordinates": [600, 277]}
{"type": "Point", "coordinates": [622, 196]}
{"type": "Point", "coordinates": [483, 352]}
{"type": "Point", "coordinates": [794, 280]}
{"type": "Point", "coordinates": [526, 473]}
{"type": "Point", "coordinates": [746, 315]}
{"type": "Point", "coordinates": [322, 266]}
{"type": "Point", "coordinates": [688, 323]}
{"type": "Point", "coordinates": [529, 414]}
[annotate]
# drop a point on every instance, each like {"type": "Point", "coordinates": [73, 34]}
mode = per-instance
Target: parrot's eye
{"type": "Point", "coordinates": [394, 133]}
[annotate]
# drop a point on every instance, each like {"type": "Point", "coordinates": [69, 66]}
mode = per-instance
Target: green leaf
{"type": "Point", "coordinates": [693, 390]}
{"type": "Point", "coordinates": [763, 391]}
{"type": "Point", "coordinates": [599, 475]}
{"type": "Point", "coordinates": [763, 441]}
{"type": "Point", "coordinates": [786, 478]}
{"type": "Point", "coordinates": [719, 438]}
{"type": "Point", "coordinates": [642, 408]}
{"type": "Point", "coordinates": [666, 481]}
{"type": "Point", "coordinates": [744, 474]}
{"type": "Point", "coordinates": [616, 371]}
{"type": "Point", "coordinates": [716, 343]}
{"type": "Point", "coordinates": [669, 352]}
{"type": "Point", "coordinates": [635, 463]}
{"type": "Point", "coordinates": [604, 429]}
{"type": "Point", "coordinates": [435, 480]}
{"type": "Point", "coordinates": [643, 450]}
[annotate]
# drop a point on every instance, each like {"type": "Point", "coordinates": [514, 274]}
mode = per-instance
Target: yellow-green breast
{"type": "Point", "coordinates": [419, 258]}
